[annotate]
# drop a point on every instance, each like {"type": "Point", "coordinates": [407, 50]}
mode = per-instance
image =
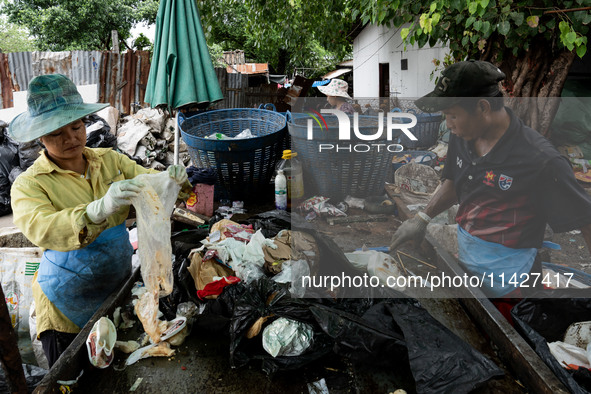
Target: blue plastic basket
{"type": "Point", "coordinates": [244, 167]}
{"type": "Point", "coordinates": [271, 107]}
{"type": "Point", "coordinates": [426, 130]}
{"type": "Point", "coordinates": [336, 174]}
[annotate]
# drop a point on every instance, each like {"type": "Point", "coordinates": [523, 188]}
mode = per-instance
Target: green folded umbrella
{"type": "Point", "coordinates": [181, 71]}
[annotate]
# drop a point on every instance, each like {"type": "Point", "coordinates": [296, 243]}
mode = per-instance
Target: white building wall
{"type": "Point", "coordinates": [366, 62]}
{"type": "Point", "coordinates": [379, 44]}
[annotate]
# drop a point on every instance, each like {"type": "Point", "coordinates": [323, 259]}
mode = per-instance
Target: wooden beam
{"type": "Point", "coordinates": [9, 353]}
{"type": "Point", "coordinates": [513, 349]}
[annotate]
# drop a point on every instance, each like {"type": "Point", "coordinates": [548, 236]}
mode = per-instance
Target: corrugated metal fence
{"type": "Point", "coordinates": [121, 77]}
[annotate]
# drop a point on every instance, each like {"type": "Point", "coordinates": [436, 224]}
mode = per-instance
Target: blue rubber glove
{"type": "Point", "coordinates": [178, 173]}
{"type": "Point", "coordinates": [117, 196]}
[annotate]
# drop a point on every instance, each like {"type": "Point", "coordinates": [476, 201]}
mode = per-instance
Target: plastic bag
{"type": "Point", "coordinates": [154, 206]}
{"type": "Point", "coordinates": [16, 276]}
{"type": "Point", "coordinates": [100, 343]}
{"type": "Point", "coordinates": [246, 133]}
{"type": "Point", "coordinates": [129, 134]}
{"type": "Point", "coordinates": [285, 337]}
{"type": "Point", "coordinates": [98, 133]}
{"type": "Point", "coordinates": [292, 272]}
{"type": "Point", "coordinates": [399, 331]}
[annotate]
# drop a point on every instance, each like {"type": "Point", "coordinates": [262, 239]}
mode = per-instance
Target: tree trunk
{"type": "Point", "coordinates": [534, 80]}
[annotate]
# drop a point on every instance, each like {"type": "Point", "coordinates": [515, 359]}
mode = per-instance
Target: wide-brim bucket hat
{"type": "Point", "coordinates": [53, 102]}
{"type": "Point", "coordinates": [336, 87]}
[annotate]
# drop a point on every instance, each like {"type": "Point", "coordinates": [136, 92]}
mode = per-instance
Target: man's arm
{"type": "Point", "coordinates": [443, 199]}
{"type": "Point", "coordinates": [415, 228]}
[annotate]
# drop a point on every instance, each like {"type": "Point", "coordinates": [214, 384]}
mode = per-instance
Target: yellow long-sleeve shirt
{"type": "Point", "coordinates": [49, 207]}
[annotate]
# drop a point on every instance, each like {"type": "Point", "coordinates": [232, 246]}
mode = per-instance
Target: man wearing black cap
{"type": "Point", "coordinates": [508, 179]}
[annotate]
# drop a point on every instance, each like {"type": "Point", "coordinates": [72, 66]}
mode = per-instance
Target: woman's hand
{"type": "Point", "coordinates": [178, 173]}
{"type": "Point", "coordinates": [117, 196]}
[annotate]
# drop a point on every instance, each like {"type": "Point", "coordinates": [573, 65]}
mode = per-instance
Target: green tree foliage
{"type": "Point", "coordinates": [77, 24]}
{"type": "Point", "coordinates": [533, 41]}
{"type": "Point", "coordinates": [142, 43]}
{"type": "Point", "coordinates": [14, 38]}
{"type": "Point", "coordinates": [284, 33]}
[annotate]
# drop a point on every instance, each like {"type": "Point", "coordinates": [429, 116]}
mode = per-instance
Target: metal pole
{"type": "Point", "coordinates": [176, 137]}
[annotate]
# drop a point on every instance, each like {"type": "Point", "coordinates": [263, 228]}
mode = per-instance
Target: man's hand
{"type": "Point", "coordinates": [411, 229]}
{"type": "Point", "coordinates": [178, 173]}
{"type": "Point", "coordinates": [117, 196]}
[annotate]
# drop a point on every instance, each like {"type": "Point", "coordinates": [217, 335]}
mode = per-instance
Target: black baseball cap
{"type": "Point", "coordinates": [472, 78]}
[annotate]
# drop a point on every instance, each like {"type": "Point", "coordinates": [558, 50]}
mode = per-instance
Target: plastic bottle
{"type": "Point", "coordinates": [292, 169]}
{"type": "Point", "coordinates": [280, 191]}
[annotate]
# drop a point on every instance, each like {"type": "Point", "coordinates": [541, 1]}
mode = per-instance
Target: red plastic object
{"type": "Point", "coordinates": [216, 287]}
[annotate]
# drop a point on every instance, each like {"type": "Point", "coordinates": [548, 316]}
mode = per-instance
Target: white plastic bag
{"type": "Point", "coordinates": [246, 133]}
{"type": "Point", "coordinates": [129, 134]}
{"type": "Point", "coordinates": [286, 337]}
{"type": "Point", "coordinates": [567, 354]}
{"type": "Point", "coordinates": [292, 272]}
{"type": "Point", "coordinates": [35, 342]}
{"type": "Point", "coordinates": [17, 267]}
{"type": "Point", "coordinates": [154, 206]}
{"type": "Point", "coordinates": [378, 264]}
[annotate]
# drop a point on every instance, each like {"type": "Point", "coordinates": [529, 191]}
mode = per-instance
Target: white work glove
{"type": "Point", "coordinates": [411, 229]}
{"type": "Point", "coordinates": [117, 196]}
{"type": "Point", "coordinates": [178, 173]}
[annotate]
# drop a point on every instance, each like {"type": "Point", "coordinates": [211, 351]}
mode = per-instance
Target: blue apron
{"type": "Point", "coordinates": [506, 265]}
{"type": "Point", "coordinates": [78, 282]}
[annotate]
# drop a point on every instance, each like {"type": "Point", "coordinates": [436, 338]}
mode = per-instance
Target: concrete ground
{"type": "Point", "coordinates": [6, 221]}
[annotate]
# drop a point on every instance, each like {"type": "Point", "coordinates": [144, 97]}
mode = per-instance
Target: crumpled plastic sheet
{"type": "Point", "coordinates": [292, 272]}
{"type": "Point", "coordinates": [286, 337]}
{"type": "Point", "coordinates": [98, 133]}
{"type": "Point", "coordinates": [154, 206]}
{"type": "Point", "coordinates": [246, 260]}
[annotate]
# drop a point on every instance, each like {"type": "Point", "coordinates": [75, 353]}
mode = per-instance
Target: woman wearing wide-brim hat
{"type": "Point", "coordinates": [72, 202]}
{"type": "Point", "coordinates": [337, 95]}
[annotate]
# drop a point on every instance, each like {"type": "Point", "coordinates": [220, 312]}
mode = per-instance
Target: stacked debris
{"type": "Point", "coordinates": [148, 137]}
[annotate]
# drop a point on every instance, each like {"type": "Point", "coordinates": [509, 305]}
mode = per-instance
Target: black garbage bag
{"type": "Point", "coordinates": [184, 286]}
{"type": "Point", "coordinates": [271, 222]}
{"type": "Point", "coordinates": [98, 133]}
{"type": "Point", "coordinates": [240, 306]}
{"type": "Point", "coordinates": [398, 331]}
{"type": "Point", "coordinates": [263, 298]}
{"type": "Point", "coordinates": [33, 375]}
{"type": "Point", "coordinates": [28, 152]}
{"type": "Point", "coordinates": [8, 161]}
{"type": "Point", "coordinates": [217, 315]}
{"type": "Point", "coordinates": [543, 320]}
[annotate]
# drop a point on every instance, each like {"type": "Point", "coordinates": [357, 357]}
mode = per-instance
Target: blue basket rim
{"type": "Point", "coordinates": [280, 125]}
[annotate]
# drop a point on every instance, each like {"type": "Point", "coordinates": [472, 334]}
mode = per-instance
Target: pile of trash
{"type": "Point", "coordinates": [557, 327]}
{"type": "Point", "coordinates": [148, 137]}
{"type": "Point", "coordinates": [242, 280]}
